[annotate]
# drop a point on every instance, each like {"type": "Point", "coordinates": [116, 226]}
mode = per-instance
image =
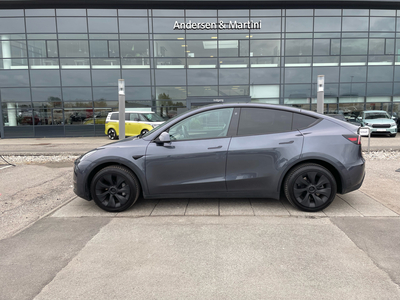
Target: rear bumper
{"type": "Point", "coordinates": [354, 179]}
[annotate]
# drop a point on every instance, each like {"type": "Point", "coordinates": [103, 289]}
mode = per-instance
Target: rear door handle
{"type": "Point", "coordinates": [215, 147]}
{"type": "Point", "coordinates": [284, 143]}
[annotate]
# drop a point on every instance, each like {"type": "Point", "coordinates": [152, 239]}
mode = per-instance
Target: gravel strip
{"type": "Point", "coordinates": [41, 159]}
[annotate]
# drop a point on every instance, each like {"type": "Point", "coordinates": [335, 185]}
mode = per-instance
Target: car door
{"type": "Point", "coordinates": [195, 160]}
{"type": "Point", "coordinates": [265, 144]}
{"type": "Point", "coordinates": [130, 124]}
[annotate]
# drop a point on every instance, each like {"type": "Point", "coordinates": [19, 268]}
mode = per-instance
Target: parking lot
{"type": "Point", "coordinates": [57, 246]}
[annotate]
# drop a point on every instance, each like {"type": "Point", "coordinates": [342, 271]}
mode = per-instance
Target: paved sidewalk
{"type": "Point", "coordinates": [80, 145]}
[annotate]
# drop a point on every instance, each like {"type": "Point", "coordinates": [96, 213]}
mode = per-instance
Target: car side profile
{"type": "Point", "coordinates": [379, 122]}
{"type": "Point", "coordinates": [136, 122]}
{"type": "Point", "coordinates": [228, 150]}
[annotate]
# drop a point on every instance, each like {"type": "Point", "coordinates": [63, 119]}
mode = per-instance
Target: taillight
{"type": "Point", "coordinates": [354, 138]}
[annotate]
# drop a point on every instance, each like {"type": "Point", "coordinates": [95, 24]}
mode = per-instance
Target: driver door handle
{"type": "Point", "coordinates": [215, 147]}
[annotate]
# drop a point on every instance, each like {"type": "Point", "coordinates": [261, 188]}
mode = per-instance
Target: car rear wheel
{"type": "Point", "coordinates": [112, 134]}
{"type": "Point", "coordinates": [310, 187]}
{"type": "Point", "coordinates": [115, 188]}
{"type": "Point", "coordinates": [144, 131]}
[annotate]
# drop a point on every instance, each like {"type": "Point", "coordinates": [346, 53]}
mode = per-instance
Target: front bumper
{"type": "Point", "coordinates": [391, 130]}
{"type": "Point", "coordinates": [79, 180]}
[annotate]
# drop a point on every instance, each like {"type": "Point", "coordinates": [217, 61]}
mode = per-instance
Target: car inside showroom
{"type": "Point", "coordinates": [60, 61]}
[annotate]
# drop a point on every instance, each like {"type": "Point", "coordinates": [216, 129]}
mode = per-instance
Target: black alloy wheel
{"type": "Point", "coordinates": [115, 188]}
{"type": "Point", "coordinates": [144, 131]}
{"type": "Point", "coordinates": [310, 187]}
{"type": "Point", "coordinates": [112, 134]}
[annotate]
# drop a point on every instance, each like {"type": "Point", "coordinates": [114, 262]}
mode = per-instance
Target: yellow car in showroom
{"type": "Point", "coordinates": [136, 123]}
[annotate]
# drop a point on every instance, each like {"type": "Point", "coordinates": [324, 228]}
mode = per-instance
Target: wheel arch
{"type": "Point", "coordinates": [321, 162]}
{"type": "Point", "coordinates": [103, 165]}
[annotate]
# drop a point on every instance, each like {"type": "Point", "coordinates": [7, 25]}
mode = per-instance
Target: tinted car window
{"type": "Point", "coordinates": [115, 116]}
{"type": "Point", "coordinates": [302, 121]}
{"type": "Point", "coordinates": [255, 121]}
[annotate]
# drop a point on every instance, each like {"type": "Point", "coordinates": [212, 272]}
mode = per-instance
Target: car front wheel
{"type": "Point", "coordinates": [112, 134]}
{"type": "Point", "coordinates": [310, 187]}
{"type": "Point", "coordinates": [115, 188]}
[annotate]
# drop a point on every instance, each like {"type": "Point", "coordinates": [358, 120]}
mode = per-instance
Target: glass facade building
{"type": "Point", "coordinates": [59, 67]}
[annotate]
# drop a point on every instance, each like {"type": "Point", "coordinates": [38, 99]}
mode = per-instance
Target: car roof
{"type": "Point", "coordinates": [134, 111]}
{"type": "Point", "coordinates": [372, 111]}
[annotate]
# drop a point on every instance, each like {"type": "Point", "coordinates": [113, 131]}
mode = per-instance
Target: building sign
{"type": "Point", "coordinates": [221, 25]}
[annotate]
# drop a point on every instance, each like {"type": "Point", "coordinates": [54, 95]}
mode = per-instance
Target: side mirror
{"type": "Point", "coordinates": [393, 117]}
{"type": "Point", "coordinates": [163, 139]}
{"type": "Point", "coordinates": [359, 118]}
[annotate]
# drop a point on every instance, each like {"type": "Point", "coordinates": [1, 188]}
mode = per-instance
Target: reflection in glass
{"type": "Point", "coordinates": [233, 62]}
{"type": "Point", "coordinates": [327, 24]}
{"type": "Point", "coordinates": [169, 49]}
{"type": "Point", "coordinates": [297, 91]}
{"type": "Point", "coordinates": [135, 48]}
{"type": "Point", "coordinates": [299, 24]}
{"type": "Point", "coordinates": [133, 25]}
{"type": "Point", "coordinates": [235, 90]}
{"type": "Point", "coordinates": [74, 48]}
{"type": "Point", "coordinates": [352, 89]}
{"type": "Point", "coordinates": [265, 62]}
{"type": "Point", "coordinates": [202, 63]}
{"type": "Point", "coordinates": [380, 73]}
{"type": "Point", "coordinates": [202, 77]}
{"type": "Point", "coordinates": [382, 24]}
{"type": "Point", "coordinates": [19, 114]}
{"type": "Point", "coordinates": [170, 92]}
{"type": "Point", "coordinates": [298, 47]}
{"type": "Point", "coordinates": [264, 47]}
{"type": "Point", "coordinates": [203, 91]}
{"type": "Point", "coordinates": [103, 25]}
{"type": "Point", "coordinates": [40, 25]}
{"type": "Point", "coordinates": [233, 76]}
{"type": "Point", "coordinates": [354, 46]}
{"type": "Point", "coordinates": [264, 75]}
{"type": "Point", "coordinates": [355, 24]}
{"type": "Point", "coordinates": [71, 25]}
{"type": "Point", "coordinates": [379, 89]}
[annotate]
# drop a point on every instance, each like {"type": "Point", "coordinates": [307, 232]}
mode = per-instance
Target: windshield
{"type": "Point", "coordinates": [377, 115]}
{"type": "Point", "coordinates": [153, 117]}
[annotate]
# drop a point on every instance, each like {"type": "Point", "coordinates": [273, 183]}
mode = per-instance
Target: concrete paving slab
{"type": "Point", "coordinates": [90, 209]}
{"type": "Point", "coordinates": [142, 208]}
{"type": "Point", "coordinates": [366, 205]}
{"type": "Point", "coordinates": [298, 213]}
{"type": "Point", "coordinates": [379, 238]}
{"type": "Point", "coordinates": [268, 207]}
{"type": "Point", "coordinates": [202, 207]}
{"type": "Point", "coordinates": [170, 207]}
{"type": "Point", "coordinates": [220, 258]}
{"type": "Point", "coordinates": [31, 259]}
{"type": "Point", "coordinates": [340, 208]}
{"type": "Point", "coordinates": [235, 207]}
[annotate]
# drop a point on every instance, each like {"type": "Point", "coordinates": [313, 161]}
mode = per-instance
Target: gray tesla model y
{"type": "Point", "coordinates": [235, 150]}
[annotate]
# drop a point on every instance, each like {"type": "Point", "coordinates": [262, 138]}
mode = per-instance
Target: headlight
{"type": "Point", "coordinates": [394, 124]}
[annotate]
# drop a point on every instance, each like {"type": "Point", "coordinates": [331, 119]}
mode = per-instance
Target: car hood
{"type": "Point", "coordinates": [132, 142]}
{"type": "Point", "coordinates": [378, 121]}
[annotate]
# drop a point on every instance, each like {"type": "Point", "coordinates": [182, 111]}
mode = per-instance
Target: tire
{"type": "Point", "coordinates": [115, 188]}
{"type": "Point", "coordinates": [310, 187]}
{"type": "Point", "coordinates": [393, 135]}
{"type": "Point", "coordinates": [144, 131]}
{"type": "Point", "coordinates": [112, 134]}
